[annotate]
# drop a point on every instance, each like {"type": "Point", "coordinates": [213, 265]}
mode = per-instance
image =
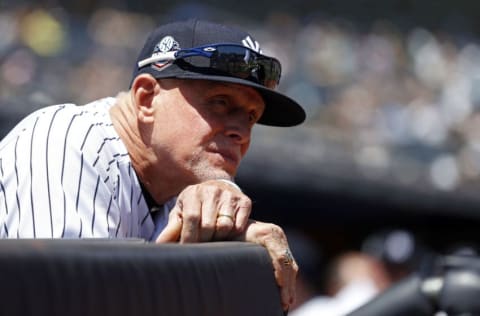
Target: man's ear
{"type": "Point", "coordinates": [144, 89]}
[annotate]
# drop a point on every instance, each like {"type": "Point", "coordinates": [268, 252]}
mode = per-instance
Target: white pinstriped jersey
{"type": "Point", "coordinates": [65, 173]}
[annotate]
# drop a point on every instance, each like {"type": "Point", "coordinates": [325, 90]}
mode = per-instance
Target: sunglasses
{"type": "Point", "coordinates": [225, 60]}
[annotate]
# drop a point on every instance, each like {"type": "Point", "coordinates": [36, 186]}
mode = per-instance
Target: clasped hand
{"type": "Point", "coordinates": [216, 210]}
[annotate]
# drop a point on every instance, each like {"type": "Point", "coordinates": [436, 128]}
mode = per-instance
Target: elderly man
{"type": "Point", "coordinates": [156, 162]}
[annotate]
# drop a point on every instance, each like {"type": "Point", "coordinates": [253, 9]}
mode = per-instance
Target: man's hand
{"type": "Point", "coordinates": [211, 210]}
{"type": "Point", "coordinates": [215, 210]}
{"type": "Point", "coordinates": [274, 240]}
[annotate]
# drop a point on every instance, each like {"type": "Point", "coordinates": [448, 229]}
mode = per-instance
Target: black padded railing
{"type": "Point", "coordinates": [103, 277]}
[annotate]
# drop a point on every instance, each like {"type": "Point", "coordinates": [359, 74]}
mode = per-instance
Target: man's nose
{"type": "Point", "coordinates": [239, 129]}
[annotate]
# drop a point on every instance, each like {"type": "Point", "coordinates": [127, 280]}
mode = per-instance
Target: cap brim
{"type": "Point", "coordinates": [280, 110]}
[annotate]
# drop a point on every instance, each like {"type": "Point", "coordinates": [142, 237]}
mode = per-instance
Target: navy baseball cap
{"type": "Point", "coordinates": [196, 49]}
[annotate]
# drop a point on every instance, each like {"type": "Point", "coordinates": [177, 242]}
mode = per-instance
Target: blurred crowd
{"type": "Point", "coordinates": [400, 103]}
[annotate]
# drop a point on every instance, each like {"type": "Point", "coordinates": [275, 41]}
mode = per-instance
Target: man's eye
{"type": "Point", "coordinates": [219, 101]}
{"type": "Point", "coordinates": [253, 117]}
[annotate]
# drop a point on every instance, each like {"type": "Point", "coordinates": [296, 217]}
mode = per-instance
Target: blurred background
{"type": "Point", "coordinates": [388, 161]}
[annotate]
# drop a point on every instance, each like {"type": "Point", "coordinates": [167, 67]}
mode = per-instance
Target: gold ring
{"type": "Point", "coordinates": [226, 215]}
{"type": "Point", "coordinates": [287, 257]}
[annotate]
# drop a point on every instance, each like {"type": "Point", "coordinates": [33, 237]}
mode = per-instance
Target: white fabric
{"type": "Point", "coordinates": [160, 217]}
{"type": "Point", "coordinates": [233, 184]}
{"type": "Point", "coordinates": [65, 173]}
{"type": "Point", "coordinates": [348, 299]}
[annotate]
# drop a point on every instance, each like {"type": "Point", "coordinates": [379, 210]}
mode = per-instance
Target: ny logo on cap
{"type": "Point", "coordinates": [167, 44]}
{"type": "Point", "coordinates": [253, 45]}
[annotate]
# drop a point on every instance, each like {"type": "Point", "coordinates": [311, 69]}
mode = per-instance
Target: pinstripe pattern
{"type": "Point", "coordinates": [17, 199]}
{"type": "Point", "coordinates": [5, 228]}
{"type": "Point", "coordinates": [47, 168]}
{"type": "Point", "coordinates": [32, 208]}
{"type": "Point", "coordinates": [64, 173]}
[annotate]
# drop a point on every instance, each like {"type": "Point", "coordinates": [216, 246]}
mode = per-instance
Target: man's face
{"type": "Point", "coordinates": [204, 127]}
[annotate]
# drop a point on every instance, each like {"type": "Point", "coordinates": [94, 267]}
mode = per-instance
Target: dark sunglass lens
{"type": "Point", "coordinates": [239, 62]}
{"type": "Point", "coordinates": [269, 71]}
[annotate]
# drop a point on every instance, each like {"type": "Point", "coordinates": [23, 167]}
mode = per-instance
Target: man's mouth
{"type": "Point", "coordinates": [229, 156]}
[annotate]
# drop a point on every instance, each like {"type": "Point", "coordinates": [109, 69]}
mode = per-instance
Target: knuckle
{"type": "Point", "coordinates": [187, 190]}
{"type": "Point", "coordinates": [245, 202]}
{"type": "Point", "coordinates": [223, 224]}
{"type": "Point", "coordinates": [270, 240]}
{"type": "Point", "coordinates": [275, 230]}
{"type": "Point", "coordinates": [269, 231]}
{"type": "Point", "coordinates": [295, 268]}
{"type": "Point", "coordinates": [208, 225]}
{"type": "Point", "coordinates": [209, 189]}
{"type": "Point", "coordinates": [192, 217]}
{"type": "Point", "coordinates": [196, 190]}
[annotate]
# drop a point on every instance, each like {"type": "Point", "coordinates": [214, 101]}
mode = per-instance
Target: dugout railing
{"type": "Point", "coordinates": [131, 277]}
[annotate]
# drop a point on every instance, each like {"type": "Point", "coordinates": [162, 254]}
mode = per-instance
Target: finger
{"type": "Point", "coordinates": [284, 264]}
{"type": "Point", "coordinates": [171, 232]}
{"type": "Point", "coordinates": [225, 222]}
{"type": "Point", "coordinates": [288, 271]}
{"type": "Point", "coordinates": [208, 221]}
{"type": "Point", "coordinates": [244, 208]}
{"type": "Point", "coordinates": [191, 214]}
{"type": "Point", "coordinates": [285, 275]}
{"type": "Point", "coordinates": [274, 240]}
